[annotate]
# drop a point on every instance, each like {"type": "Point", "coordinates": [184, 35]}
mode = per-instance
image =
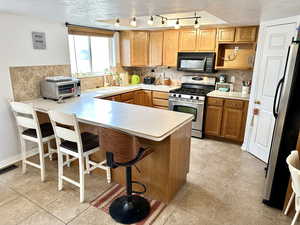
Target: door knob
{"type": "Point", "coordinates": [257, 102]}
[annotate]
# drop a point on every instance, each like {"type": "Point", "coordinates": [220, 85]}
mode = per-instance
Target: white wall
{"type": "Point", "coordinates": [16, 50]}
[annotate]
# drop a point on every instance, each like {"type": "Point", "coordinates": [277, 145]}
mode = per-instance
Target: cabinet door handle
{"type": "Point", "coordinates": [257, 102]}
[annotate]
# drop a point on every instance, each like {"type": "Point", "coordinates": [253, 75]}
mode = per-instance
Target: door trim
{"type": "Point", "coordinates": [254, 91]}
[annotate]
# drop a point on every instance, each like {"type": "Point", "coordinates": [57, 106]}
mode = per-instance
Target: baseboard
{"type": "Point", "coordinates": [12, 160]}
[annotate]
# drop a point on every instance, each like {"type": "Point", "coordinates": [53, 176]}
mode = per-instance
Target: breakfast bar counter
{"type": "Point", "coordinates": [167, 133]}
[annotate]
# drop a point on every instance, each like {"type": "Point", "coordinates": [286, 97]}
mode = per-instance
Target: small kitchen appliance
{"type": "Point", "coordinates": [59, 87]}
{"type": "Point", "coordinates": [149, 80]}
{"type": "Point", "coordinates": [190, 98]}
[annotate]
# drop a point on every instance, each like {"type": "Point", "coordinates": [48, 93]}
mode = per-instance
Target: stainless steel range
{"type": "Point", "coordinates": [190, 98]}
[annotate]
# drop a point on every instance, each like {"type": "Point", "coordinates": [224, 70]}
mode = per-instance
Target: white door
{"type": "Point", "coordinates": [272, 60]}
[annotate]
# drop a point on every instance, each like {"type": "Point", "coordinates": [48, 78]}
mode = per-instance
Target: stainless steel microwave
{"type": "Point", "coordinates": [200, 62]}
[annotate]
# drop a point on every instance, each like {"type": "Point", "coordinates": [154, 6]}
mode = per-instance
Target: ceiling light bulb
{"type": "Point", "coordinates": [177, 25]}
{"type": "Point", "coordinates": [197, 24]}
{"type": "Point", "coordinates": [117, 23]}
{"type": "Point", "coordinates": [150, 21]}
{"type": "Point", "coordinates": [133, 22]}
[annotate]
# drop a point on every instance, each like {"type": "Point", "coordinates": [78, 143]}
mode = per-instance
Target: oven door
{"type": "Point", "coordinates": [194, 108]}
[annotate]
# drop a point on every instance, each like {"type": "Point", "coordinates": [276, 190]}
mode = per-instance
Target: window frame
{"type": "Point", "coordinates": [91, 73]}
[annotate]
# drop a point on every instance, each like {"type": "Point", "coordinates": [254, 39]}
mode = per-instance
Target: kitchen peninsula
{"type": "Point", "coordinates": [168, 133]}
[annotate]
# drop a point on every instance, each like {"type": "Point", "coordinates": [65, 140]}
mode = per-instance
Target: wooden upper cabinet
{"type": "Point", "coordinates": [187, 40]}
{"type": "Point", "coordinates": [226, 34]}
{"type": "Point", "coordinates": [156, 48]}
{"type": "Point", "coordinates": [170, 47]}
{"type": "Point", "coordinates": [134, 48]}
{"type": "Point", "coordinates": [139, 48]}
{"type": "Point", "coordinates": [245, 34]}
{"type": "Point", "coordinates": [206, 40]}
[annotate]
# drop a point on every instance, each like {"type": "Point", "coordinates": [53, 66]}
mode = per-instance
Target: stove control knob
{"type": "Point", "coordinates": [192, 97]}
{"type": "Point", "coordinates": [174, 95]}
{"type": "Point", "coordinates": [197, 98]}
{"type": "Point", "coordinates": [179, 96]}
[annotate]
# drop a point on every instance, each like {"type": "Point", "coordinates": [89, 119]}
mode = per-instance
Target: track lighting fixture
{"type": "Point", "coordinates": [117, 23]}
{"type": "Point", "coordinates": [163, 21]}
{"type": "Point", "coordinates": [197, 24]}
{"type": "Point", "coordinates": [150, 21]}
{"type": "Point", "coordinates": [177, 25]}
{"type": "Point", "coordinates": [133, 22]}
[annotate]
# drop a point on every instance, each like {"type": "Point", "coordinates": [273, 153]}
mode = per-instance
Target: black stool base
{"type": "Point", "coordinates": [129, 209]}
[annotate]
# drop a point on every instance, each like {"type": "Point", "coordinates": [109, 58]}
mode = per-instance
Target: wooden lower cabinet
{"type": "Point", "coordinates": [213, 120]}
{"type": "Point", "coordinates": [160, 99]}
{"type": "Point", "coordinates": [143, 97]}
{"type": "Point", "coordinates": [226, 118]}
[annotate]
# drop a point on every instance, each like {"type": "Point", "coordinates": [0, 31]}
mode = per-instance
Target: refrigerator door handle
{"type": "Point", "coordinates": [275, 111]}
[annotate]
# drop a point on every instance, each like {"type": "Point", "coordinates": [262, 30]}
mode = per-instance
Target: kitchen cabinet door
{"type": "Point", "coordinates": [148, 98]}
{"type": "Point", "coordinates": [143, 98]}
{"type": "Point", "coordinates": [213, 120]}
{"type": "Point", "coordinates": [206, 40]}
{"type": "Point", "coordinates": [139, 48]}
{"type": "Point", "coordinates": [156, 48]}
{"type": "Point", "coordinates": [187, 40]}
{"type": "Point", "coordinates": [245, 34]}
{"type": "Point", "coordinates": [170, 48]}
{"type": "Point", "coordinates": [232, 123]}
{"type": "Point", "coordinates": [226, 34]}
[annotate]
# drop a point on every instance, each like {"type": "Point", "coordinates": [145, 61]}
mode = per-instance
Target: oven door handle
{"type": "Point", "coordinates": [178, 102]}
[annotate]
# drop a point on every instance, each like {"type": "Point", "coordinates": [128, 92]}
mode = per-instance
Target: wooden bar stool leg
{"type": "Point", "coordinates": [81, 178]}
{"type": "Point", "coordinates": [42, 160]}
{"type": "Point", "coordinates": [87, 164]}
{"type": "Point", "coordinates": [108, 175]}
{"type": "Point", "coordinates": [68, 160]}
{"type": "Point", "coordinates": [23, 149]}
{"type": "Point", "coordinates": [289, 204]}
{"type": "Point", "coordinates": [60, 170]}
{"type": "Point", "coordinates": [50, 150]}
{"type": "Point", "coordinates": [295, 218]}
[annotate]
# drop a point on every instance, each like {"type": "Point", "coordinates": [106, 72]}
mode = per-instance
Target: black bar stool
{"type": "Point", "coordinates": [125, 152]}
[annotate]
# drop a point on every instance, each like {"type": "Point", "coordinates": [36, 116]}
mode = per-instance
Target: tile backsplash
{"type": "Point", "coordinates": [25, 80]}
{"type": "Point", "coordinates": [173, 74]}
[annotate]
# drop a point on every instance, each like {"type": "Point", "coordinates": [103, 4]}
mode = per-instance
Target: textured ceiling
{"type": "Point", "coordinates": [86, 12]}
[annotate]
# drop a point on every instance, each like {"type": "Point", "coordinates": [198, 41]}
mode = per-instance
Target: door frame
{"type": "Point", "coordinates": [255, 77]}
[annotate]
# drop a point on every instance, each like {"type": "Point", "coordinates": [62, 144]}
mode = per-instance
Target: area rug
{"type": "Point", "coordinates": [104, 200]}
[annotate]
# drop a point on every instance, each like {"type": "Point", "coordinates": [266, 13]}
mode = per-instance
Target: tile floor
{"type": "Point", "coordinates": [224, 187]}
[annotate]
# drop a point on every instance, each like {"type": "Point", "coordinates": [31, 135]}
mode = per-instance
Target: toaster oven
{"type": "Point", "coordinates": [59, 87]}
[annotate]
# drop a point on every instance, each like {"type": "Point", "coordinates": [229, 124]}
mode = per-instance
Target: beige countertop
{"type": "Point", "coordinates": [230, 95]}
{"type": "Point", "coordinates": [146, 122]}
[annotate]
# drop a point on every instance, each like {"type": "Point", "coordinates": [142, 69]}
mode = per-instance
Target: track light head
{"type": "Point", "coordinates": [177, 25]}
{"type": "Point", "coordinates": [151, 21]}
{"type": "Point", "coordinates": [197, 24]}
{"type": "Point", "coordinates": [133, 22]}
{"type": "Point", "coordinates": [117, 23]}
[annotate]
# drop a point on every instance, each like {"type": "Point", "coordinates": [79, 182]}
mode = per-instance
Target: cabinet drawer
{"type": "Point", "coordinates": [127, 96]}
{"type": "Point", "coordinates": [160, 102]}
{"type": "Point", "coordinates": [161, 95]}
{"type": "Point", "coordinates": [215, 101]}
{"type": "Point", "coordinates": [234, 104]}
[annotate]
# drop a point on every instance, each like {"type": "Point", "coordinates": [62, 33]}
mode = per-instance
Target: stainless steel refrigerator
{"type": "Point", "coordinates": [286, 110]}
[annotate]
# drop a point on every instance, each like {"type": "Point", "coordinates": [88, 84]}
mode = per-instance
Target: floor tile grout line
{"type": "Point", "coordinates": [39, 206]}
{"type": "Point", "coordinates": [78, 215]}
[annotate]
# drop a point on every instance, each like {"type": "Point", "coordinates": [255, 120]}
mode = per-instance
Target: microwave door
{"type": "Point", "coordinates": [193, 64]}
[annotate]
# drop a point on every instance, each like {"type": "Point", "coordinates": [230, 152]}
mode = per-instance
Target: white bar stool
{"type": "Point", "coordinates": [294, 167]}
{"type": "Point", "coordinates": [71, 141]}
{"type": "Point", "coordinates": [30, 130]}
